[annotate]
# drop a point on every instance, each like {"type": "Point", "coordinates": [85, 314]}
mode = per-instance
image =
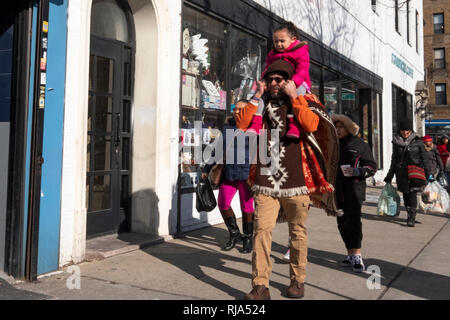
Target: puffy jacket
{"type": "Point", "coordinates": [298, 56]}
{"type": "Point", "coordinates": [409, 152]}
{"type": "Point", "coordinates": [355, 152]}
{"type": "Point", "coordinates": [234, 171]}
{"type": "Point", "coordinates": [433, 160]}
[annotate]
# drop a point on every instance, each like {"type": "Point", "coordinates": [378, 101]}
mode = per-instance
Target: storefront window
{"type": "Point", "coordinates": [376, 129]}
{"type": "Point", "coordinates": [247, 52]}
{"type": "Point", "coordinates": [330, 90]}
{"type": "Point", "coordinates": [213, 78]}
{"type": "Point", "coordinates": [348, 96]}
{"type": "Point", "coordinates": [314, 74]}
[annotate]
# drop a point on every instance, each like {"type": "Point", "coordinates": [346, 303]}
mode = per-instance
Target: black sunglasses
{"type": "Point", "coordinates": [277, 79]}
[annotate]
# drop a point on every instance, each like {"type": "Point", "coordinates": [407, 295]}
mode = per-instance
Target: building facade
{"type": "Point", "coordinates": [139, 88]}
{"type": "Point", "coordinates": [437, 66]}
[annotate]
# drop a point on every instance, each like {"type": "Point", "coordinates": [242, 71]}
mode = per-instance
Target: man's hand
{"type": "Point", "coordinates": [261, 87]}
{"type": "Point", "coordinates": [290, 89]}
{"type": "Point", "coordinates": [204, 175]}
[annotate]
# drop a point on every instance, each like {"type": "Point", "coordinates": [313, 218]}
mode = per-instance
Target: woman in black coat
{"type": "Point", "coordinates": [408, 149]}
{"type": "Point", "coordinates": [357, 164]}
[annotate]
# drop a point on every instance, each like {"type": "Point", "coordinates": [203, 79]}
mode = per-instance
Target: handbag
{"type": "Point", "coordinates": [416, 176]}
{"type": "Point", "coordinates": [206, 201]}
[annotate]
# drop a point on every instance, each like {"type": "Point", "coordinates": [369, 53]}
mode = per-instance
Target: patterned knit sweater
{"type": "Point", "coordinates": [282, 176]}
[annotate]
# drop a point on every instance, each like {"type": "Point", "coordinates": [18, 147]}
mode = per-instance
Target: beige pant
{"type": "Point", "coordinates": [266, 213]}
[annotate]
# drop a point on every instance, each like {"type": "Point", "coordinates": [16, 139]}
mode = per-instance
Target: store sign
{"type": "Point", "coordinates": [402, 66]}
{"type": "Point", "coordinates": [330, 96]}
{"type": "Point", "coordinates": [348, 96]}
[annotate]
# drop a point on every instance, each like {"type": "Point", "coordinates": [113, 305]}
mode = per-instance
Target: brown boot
{"type": "Point", "coordinates": [296, 289]}
{"type": "Point", "coordinates": [258, 293]}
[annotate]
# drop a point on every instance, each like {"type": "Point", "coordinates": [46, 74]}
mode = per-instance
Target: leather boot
{"type": "Point", "coordinates": [411, 220]}
{"type": "Point", "coordinates": [296, 290]}
{"type": "Point", "coordinates": [247, 237]}
{"type": "Point", "coordinates": [259, 292]}
{"type": "Point", "coordinates": [235, 234]}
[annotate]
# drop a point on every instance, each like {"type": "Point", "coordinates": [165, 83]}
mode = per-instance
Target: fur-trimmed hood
{"type": "Point", "coordinates": [352, 127]}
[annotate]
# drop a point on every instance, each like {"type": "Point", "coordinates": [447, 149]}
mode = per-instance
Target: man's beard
{"type": "Point", "coordinates": [278, 94]}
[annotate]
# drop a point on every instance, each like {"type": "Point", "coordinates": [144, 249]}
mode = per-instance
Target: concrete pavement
{"type": "Point", "coordinates": [414, 264]}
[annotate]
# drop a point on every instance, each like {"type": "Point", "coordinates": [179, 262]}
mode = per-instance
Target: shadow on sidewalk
{"type": "Point", "coordinates": [202, 250]}
{"type": "Point", "coordinates": [423, 284]}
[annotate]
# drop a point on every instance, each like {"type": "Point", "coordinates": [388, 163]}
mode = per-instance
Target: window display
{"type": "Point", "coordinates": [206, 95]}
{"type": "Point", "coordinates": [330, 90]}
{"type": "Point", "coordinates": [247, 55]}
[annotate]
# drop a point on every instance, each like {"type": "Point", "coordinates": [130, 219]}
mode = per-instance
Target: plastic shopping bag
{"type": "Point", "coordinates": [389, 201]}
{"type": "Point", "coordinates": [434, 198]}
{"type": "Point", "coordinates": [206, 201]}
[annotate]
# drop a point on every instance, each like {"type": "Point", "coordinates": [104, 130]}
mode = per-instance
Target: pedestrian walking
{"type": "Point", "coordinates": [445, 154]}
{"type": "Point", "coordinates": [357, 164]}
{"type": "Point", "coordinates": [409, 167]}
{"type": "Point", "coordinates": [234, 179]}
{"type": "Point", "coordinates": [432, 158]}
{"type": "Point", "coordinates": [286, 189]}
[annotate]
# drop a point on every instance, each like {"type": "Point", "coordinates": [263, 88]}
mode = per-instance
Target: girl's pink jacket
{"type": "Point", "coordinates": [298, 56]}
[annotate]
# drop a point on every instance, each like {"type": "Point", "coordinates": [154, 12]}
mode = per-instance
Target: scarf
{"type": "Point", "coordinates": [402, 142]}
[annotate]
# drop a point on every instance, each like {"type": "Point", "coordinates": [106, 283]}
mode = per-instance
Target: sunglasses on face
{"type": "Point", "coordinates": [277, 79]}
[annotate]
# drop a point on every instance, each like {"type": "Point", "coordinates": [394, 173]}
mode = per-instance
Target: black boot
{"type": "Point", "coordinates": [411, 220]}
{"type": "Point", "coordinates": [247, 237]}
{"type": "Point", "coordinates": [235, 234]}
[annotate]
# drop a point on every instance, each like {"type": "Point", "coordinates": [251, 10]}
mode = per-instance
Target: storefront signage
{"type": "Point", "coordinates": [402, 66]}
{"type": "Point", "coordinates": [348, 96]}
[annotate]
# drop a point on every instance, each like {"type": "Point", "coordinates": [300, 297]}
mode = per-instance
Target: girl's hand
{"type": "Point", "coordinates": [290, 89]}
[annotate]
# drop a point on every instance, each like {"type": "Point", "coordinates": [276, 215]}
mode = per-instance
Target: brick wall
{"type": "Point", "coordinates": [434, 41]}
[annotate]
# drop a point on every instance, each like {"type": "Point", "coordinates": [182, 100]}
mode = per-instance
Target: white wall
{"type": "Point", "coordinates": [73, 202]}
{"type": "Point", "coordinates": [154, 121]}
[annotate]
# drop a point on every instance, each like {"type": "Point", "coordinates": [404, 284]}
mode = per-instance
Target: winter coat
{"type": "Point", "coordinates": [355, 152]}
{"type": "Point", "coordinates": [433, 160]}
{"type": "Point", "coordinates": [409, 152]}
{"type": "Point", "coordinates": [443, 151]}
{"type": "Point", "coordinates": [298, 56]}
{"type": "Point", "coordinates": [233, 171]}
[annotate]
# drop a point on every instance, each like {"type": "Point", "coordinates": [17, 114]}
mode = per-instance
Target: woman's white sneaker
{"type": "Point", "coordinates": [357, 263]}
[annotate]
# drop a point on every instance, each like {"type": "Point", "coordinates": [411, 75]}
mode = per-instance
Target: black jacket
{"type": "Point", "coordinates": [433, 160]}
{"type": "Point", "coordinates": [406, 152]}
{"type": "Point", "coordinates": [355, 152]}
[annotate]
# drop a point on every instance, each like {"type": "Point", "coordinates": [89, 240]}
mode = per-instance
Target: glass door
{"type": "Point", "coordinates": [108, 145]}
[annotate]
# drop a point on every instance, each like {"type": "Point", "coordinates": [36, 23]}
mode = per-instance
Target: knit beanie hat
{"type": "Point", "coordinates": [405, 124]}
{"type": "Point", "coordinates": [427, 138]}
{"type": "Point", "coordinates": [282, 67]}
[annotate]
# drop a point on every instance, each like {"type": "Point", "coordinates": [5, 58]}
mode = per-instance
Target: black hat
{"type": "Point", "coordinates": [405, 124]}
{"type": "Point", "coordinates": [282, 67]}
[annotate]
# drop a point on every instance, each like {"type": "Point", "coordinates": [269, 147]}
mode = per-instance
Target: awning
{"type": "Point", "coordinates": [437, 123]}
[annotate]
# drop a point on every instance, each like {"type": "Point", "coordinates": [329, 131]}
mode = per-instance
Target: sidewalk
{"type": "Point", "coordinates": [414, 264]}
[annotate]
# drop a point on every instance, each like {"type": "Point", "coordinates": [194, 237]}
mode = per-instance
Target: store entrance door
{"type": "Point", "coordinates": [108, 145]}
